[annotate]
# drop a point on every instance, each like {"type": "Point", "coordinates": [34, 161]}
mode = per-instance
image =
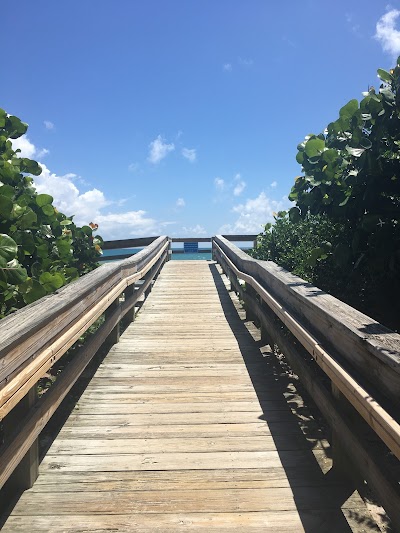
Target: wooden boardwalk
{"type": "Point", "coordinates": [187, 426]}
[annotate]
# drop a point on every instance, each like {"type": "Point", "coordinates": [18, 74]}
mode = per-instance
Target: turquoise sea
{"type": "Point", "coordinates": [204, 254]}
{"type": "Point", "coordinates": [190, 257]}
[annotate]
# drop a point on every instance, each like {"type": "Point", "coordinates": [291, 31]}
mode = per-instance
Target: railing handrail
{"type": "Point", "coordinates": [38, 335]}
{"type": "Point", "coordinates": [336, 319]}
{"type": "Point", "coordinates": [387, 428]}
{"type": "Point", "coordinates": [32, 331]}
{"type": "Point", "coordinates": [302, 320]}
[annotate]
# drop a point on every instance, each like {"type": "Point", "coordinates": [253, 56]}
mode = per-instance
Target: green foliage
{"type": "Point", "coordinates": [343, 235]}
{"type": "Point", "coordinates": [352, 174]}
{"type": "Point", "coordinates": [304, 247]}
{"type": "Point", "coordinates": [40, 248]}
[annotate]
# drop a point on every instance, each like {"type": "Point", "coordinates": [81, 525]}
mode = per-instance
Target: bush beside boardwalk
{"type": "Point", "coordinates": [344, 232]}
{"type": "Point", "coordinates": [41, 249]}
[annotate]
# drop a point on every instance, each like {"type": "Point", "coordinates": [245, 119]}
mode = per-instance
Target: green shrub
{"type": "Point", "coordinates": [304, 247]}
{"type": "Point", "coordinates": [352, 174]}
{"type": "Point", "coordinates": [344, 233]}
{"type": "Point", "coordinates": [40, 248]}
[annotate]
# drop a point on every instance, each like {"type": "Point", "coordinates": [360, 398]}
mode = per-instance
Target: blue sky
{"type": "Point", "coordinates": [182, 117]}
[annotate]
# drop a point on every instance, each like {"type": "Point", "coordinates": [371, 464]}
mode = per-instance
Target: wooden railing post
{"type": "Point", "coordinates": [113, 337]}
{"type": "Point", "coordinates": [130, 315]}
{"type": "Point", "coordinates": [150, 286]}
{"type": "Point", "coordinates": [27, 471]}
{"type": "Point", "coordinates": [251, 293]}
{"type": "Point", "coordinates": [169, 250]}
{"type": "Point", "coordinates": [228, 274]}
{"type": "Point", "coordinates": [342, 464]}
{"type": "Point", "coordinates": [266, 335]}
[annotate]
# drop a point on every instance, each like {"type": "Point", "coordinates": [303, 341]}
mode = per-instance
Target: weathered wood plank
{"type": "Point", "coordinates": [180, 444]}
{"type": "Point", "coordinates": [121, 408]}
{"type": "Point", "coordinates": [103, 394]}
{"type": "Point", "coordinates": [77, 419]}
{"type": "Point", "coordinates": [216, 479]}
{"type": "Point", "coordinates": [244, 522]}
{"type": "Point", "coordinates": [188, 430]}
{"type": "Point", "coordinates": [175, 501]}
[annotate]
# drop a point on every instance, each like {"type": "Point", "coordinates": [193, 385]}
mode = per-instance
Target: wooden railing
{"type": "Point", "coordinates": [145, 241]}
{"type": "Point", "coordinates": [348, 363]}
{"type": "Point", "coordinates": [37, 336]}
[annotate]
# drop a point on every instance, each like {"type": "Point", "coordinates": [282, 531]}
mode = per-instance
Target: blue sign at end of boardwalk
{"type": "Point", "coordinates": [191, 247]}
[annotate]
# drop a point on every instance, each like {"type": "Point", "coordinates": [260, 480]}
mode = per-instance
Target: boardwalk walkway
{"type": "Point", "coordinates": [186, 426]}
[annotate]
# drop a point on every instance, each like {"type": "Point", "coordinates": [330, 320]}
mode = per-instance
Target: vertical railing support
{"type": "Point", "coordinates": [250, 316]}
{"type": "Point", "coordinates": [150, 286]}
{"type": "Point", "coordinates": [343, 466]}
{"type": "Point", "coordinates": [266, 337]}
{"type": "Point", "coordinates": [228, 274]}
{"type": "Point", "coordinates": [27, 471]}
{"type": "Point", "coordinates": [169, 250]}
{"type": "Point", "coordinates": [130, 315]}
{"type": "Point", "coordinates": [113, 337]}
{"type": "Point", "coordinates": [213, 255]}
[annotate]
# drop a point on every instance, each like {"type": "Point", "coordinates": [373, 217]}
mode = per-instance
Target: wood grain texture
{"type": "Point", "coordinates": [367, 346]}
{"type": "Point", "coordinates": [23, 328]}
{"type": "Point", "coordinates": [29, 359]}
{"type": "Point", "coordinates": [187, 426]}
{"type": "Point", "coordinates": [346, 380]}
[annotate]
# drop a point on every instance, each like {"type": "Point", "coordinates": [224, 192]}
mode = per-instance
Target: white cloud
{"type": "Point", "coordinates": [159, 149]}
{"type": "Point", "coordinates": [87, 206]}
{"type": "Point", "coordinates": [387, 34]}
{"type": "Point", "coordinates": [219, 184]}
{"type": "Point", "coordinates": [42, 153]}
{"type": "Point", "coordinates": [48, 125]}
{"type": "Point", "coordinates": [245, 62]}
{"type": "Point", "coordinates": [194, 230]}
{"type": "Point", "coordinates": [274, 184]}
{"type": "Point", "coordinates": [239, 188]}
{"type": "Point", "coordinates": [235, 186]}
{"type": "Point", "coordinates": [130, 223]}
{"type": "Point", "coordinates": [27, 148]}
{"type": "Point", "coordinates": [133, 167]}
{"type": "Point", "coordinates": [67, 197]}
{"type": "Point", "coordinates": [180, 202]}
{"type": "Point", "coordinates": [355, 28]}
{"type": "Point", "coordinates": [189, 154]}
{"type": "Point", "coordinates": [240, 185]}
{"type": "Point", "coordinates": [253, 215]}
{"type": "Point", "coordinates": [227, 67]}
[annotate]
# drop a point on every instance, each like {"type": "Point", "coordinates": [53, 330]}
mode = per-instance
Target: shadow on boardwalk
{"type": "Point", "coordinates": [318, 496]}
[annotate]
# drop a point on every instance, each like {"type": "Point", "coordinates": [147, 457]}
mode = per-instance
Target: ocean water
{"type": "Point", "coordinates": [202, 255]}
{"type": "Point", "coordinates": [206, 256]}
